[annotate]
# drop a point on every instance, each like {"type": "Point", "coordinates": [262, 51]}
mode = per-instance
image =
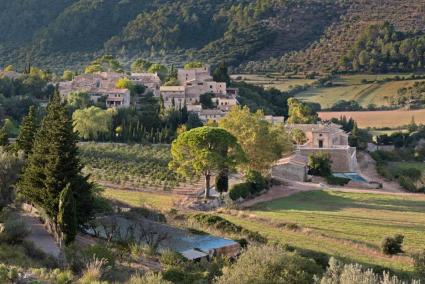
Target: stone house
{"type": "Point", "coordinates": [323, 137]}
{"type": "Point", "coordinates": [293, 168]}
{"type": "Point", "coordinates": [102, 84]}
{"type": "Point", "coordinates": [151, 81]}
{"type": "Point", "coordinates": [211, 114]}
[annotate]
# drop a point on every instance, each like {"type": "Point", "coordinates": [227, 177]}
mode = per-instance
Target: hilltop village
{"type": "Point", "coordinates": [191, 84]}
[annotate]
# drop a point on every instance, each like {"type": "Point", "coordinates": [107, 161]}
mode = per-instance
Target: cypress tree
{"type": "Point", "coordinates": [25, 139]}
{"type": "Point", "coordinates": [53, 164]}
{"type": "Point", "coordinates": [67, 216]}
{"type": "Point", "coordinates": [4, 140]}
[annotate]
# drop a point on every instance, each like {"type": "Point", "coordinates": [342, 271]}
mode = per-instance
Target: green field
{"type": "Point", "coordinates": [140, 166]}
{"type": "Point", "coordinates": [347, 225]}
{"type": "Point", "coordinates": [140, 199]}
{"type": "Point", "coordinates": [273, 81]}
{"type": "Point", "coordinates": [352, 88]}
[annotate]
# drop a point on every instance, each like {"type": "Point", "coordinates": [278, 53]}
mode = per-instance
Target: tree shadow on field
{"type": "Point", "coordinates": [337, 201]}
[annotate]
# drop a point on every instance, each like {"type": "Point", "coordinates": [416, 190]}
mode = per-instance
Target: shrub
{"type": "Point", "coordinates": [270, 264]}
{"type": "Point", "coordinates": [392, 245]}
{"type": "Point", "coordinates": [149, 278]}
{"type": "Point", "coordinates": [171, 259]}
{"type": "Point", "coordinates": [337, 272]}
{"type": "Point", "coordinates": [222, 182]}
{"type": "Point", "coordinates": [258, 182]}
{"type": "Point", "coordinates": [139, 250]}
{"type": "Point", "coordinates": [93, 271]}
{"type": "Point", "coordinates": [419, 262]}
{"type": "Point", "coordinates": [241, 190]}
{"type": "Point", "coordinates": [226, 226]}
{"type": "Point", "coordinates": [333, 180]}
{"type": "Point", "coordinates": [15, 230]}
{"type": "Point", "coordinates": [407, 183]}
{"type": "Point", "coordinates": [412, 173]}
{"type": "Point", "coordinates": [319, 164]}
{"type": "Point", "coordinates": [96, 252]}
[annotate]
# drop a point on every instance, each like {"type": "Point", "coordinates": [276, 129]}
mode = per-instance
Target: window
{"type": "Point", "coordinates": [320, 143]}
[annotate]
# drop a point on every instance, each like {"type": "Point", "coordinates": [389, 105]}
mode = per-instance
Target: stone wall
{"type": "Point", "coordinates": [343, 159]}
{"type": "Point", "coordinates": [290, 171]}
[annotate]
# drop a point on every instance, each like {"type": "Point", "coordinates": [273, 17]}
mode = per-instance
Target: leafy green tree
{"type": "Point", "coordinates": [319, 164]}
{"type": "Point", "coordinates": [68, 75]}
{"type": "Point", "coordinates": [79, 100]}
{"type": "Point", "coordinates": [300, 112]}
{"type": "Point", "coordinates": [10, 168]}
{"type": "Point", "coordinates": [193, 64]}
{"type": "Point", "coordinates": [220, 74]}
{"type": "Point", "coordinates": [206, 101]}
{"type": "Point", "coordinates": [54, 163]}
{"type": "Point", "coordinates": [298, 136]}
{"type": "Point", "coordinates": [67, 215]}
{"type": "Point", "coordinates": [262, 142]}
{"type": "Point", "coordinates": [205, 151]}
{"type": "Point", "coordinates": [140, 66]}
{"type": "Point", "coordinates": [160, 69]}
{"type": "Point", "coordinates": [104, 63]}
{"type": "Point", "coordinates": [91, 122]}
{"type": "Point", "coordinates": [124, 83]}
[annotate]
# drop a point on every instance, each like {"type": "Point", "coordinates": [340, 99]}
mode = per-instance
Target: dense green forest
{"type": "Point", "coordinates": [60, 34]}
{"type": "Point", "coordinates": [380, 48]}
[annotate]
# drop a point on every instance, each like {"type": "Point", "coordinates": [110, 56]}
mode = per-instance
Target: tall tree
{"type": "Point", "coordinates": [205, 151]}
{"type": "Point", "coordinates": [221, 74]}
{"type": "Point", "coordinates": [262, 142]}
{"type": "Point", "coordinates": [300, 112]}
{"type": "Point", "coordinates": [67, 216]}
{"type": "Point", "coordinates": [25, 139]}
{"type": "Point", "coordinates": [53, 164]}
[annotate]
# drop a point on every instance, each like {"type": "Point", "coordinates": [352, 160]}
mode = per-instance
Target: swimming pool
{"type": "Point", "coordinates": [353, 176]}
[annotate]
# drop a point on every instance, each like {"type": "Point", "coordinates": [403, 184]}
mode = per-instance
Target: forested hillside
{"type": "Point", "coordinates": [59, 34]}
{"type": "Point", "coordinates": [254, 35]}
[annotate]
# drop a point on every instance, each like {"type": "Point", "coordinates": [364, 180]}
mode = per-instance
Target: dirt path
{"type": "Point", "coordinates": [367, 167]}
{"type": "Point", "coordinates": [39, 235]}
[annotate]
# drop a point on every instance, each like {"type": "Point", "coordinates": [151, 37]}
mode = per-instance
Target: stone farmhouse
{"type": "Point", "coordinates": [98, 85]}
{"type": "Point", "coordinates": [193, 83]}
{"type": "Point", "coordinates": [322, 137]}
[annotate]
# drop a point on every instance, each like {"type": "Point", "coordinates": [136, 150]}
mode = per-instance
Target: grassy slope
{"type": "Point", "coordinates": [351, 88]}
{"type": "Point", "coordinates": [347, 225]}
{"type": "Point", "coordinates": [138, 198]}
{"type": "Point", "coordinates": [272, 81]}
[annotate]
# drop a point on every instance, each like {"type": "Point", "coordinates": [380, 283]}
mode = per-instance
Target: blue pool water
{"type": "Point", "coordinates": [353, 176]}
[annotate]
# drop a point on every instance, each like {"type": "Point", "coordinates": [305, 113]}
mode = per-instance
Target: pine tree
{"type": "Point", "coordinates": [67, 216]}
{"type": "Point", "coordinates": [25, 139]}
{"type": "Point", "coordinates": [54, 163]}
{"type": "Point", "coordinates": [4, 140]}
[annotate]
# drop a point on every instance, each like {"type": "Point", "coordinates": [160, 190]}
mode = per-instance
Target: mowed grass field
{"type": "Point", "coordinates": [349, 226]}
{"type": "Point", "coordinates": [160, 201]}
{"type": "Point", "coordinates": [351, 88]}
{"type": "Point", "coordinates": [272, 81]}
{"type": "Point", "coordinates": [391, 118]}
